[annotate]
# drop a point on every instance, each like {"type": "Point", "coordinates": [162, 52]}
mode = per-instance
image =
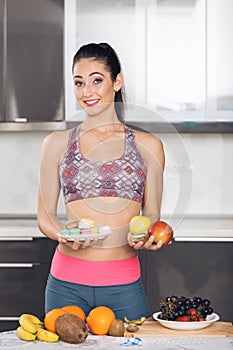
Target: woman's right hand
{"type": "Point", "coordinates": [76, 244]}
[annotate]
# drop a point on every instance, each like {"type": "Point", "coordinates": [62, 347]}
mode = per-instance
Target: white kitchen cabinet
{"type": "Point", "coordinates": [176, 55]}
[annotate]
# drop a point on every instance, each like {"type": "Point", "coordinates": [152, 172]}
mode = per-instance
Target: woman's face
{"type": "Point", "coordinates": [93, 86]}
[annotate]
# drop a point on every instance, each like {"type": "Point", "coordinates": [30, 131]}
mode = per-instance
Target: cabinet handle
{"type": "Point", "coordinates": [16, 238]}
{"type": "Point", "coordinates": [27, 265]}
{"type": "Point", "coordinates": [9, 318]}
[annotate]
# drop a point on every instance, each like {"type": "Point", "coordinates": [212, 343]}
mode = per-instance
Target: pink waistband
{"type": "Point", "coordinates": [95, 273]}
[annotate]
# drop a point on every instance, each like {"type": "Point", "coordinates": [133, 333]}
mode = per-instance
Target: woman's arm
{"type": "Point", "coordinates": [155, 159]}
{"type": "Point", "coordinates": [49, 186]}
{"type": "Point", "coordinates": [153, 154]}
{"type": "Point", "coordinates": [52, 151]}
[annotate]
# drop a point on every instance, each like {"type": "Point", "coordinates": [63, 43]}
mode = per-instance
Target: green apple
{"type": "Point", "coordinates": [138, 227]}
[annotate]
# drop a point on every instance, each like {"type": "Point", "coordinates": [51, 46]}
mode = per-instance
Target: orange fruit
{"type": "Point", "coordinates": [99, 320]}
{"type": "Point", "coordinates": [75, 310]}
{"type": "Point", "coordinates": [50, 319]}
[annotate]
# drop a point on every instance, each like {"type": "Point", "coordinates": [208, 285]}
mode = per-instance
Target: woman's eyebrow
{"type": "Point", "coordinates": [93, 73]}
{"type": "Point", "coordinates": [96, 73]}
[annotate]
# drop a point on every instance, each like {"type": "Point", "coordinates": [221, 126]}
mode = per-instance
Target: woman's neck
{"type": "Point", "coordinates": [102, 124]}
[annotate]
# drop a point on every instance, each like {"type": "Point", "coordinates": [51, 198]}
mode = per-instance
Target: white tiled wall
{"type": "Point", "coordinates": [198, 173]}
{"type": "Point", "coordinates": [211, 160]}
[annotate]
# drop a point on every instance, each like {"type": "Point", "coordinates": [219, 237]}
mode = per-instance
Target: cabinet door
{"type": "Point", "coordinates": [24, 268]}
{"type": "Point", "coordinates": [1, 57]}
{"type": "Point", "coordinates": [22, 289]}
{"type": "Point", "coordinates": [34, 86]}
{"type": "Point", "coordinates": [38, 250]}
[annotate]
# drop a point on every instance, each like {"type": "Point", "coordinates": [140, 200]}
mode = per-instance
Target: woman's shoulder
{"type": "Point", "coordinates": [57, 137]}
{"type": "Point", "coordinates": [150, 146]}
{"type": "Point", "coordinates": [55, 144]}
{"type": "Point", "coordinates": [148, 140]}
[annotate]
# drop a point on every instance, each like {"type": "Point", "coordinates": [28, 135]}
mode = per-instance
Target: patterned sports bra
{"type": "Point", "coordinates": [124, 177]}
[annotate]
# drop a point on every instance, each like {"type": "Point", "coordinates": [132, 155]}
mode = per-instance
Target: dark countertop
{"type": "Point", "coordinates": [192, 127]}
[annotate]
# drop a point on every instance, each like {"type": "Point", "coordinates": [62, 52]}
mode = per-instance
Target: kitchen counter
{"type": "Point", "coordinates": [15, 227]}
{"type": "Point", "coordinates": [150, 336]}
{"type": "Point", "coordinates": [208, 228]}
{"type": "Point", "coordinates": [191, 228]}
{"type": "Point", "coordinates": [191, 126]}
{"type": "Point", "coordinates": [154, 329]}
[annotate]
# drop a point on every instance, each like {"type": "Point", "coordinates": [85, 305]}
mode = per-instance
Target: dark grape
{"type": "Point", "coordinates": [210, 310]}
{"type": "Point", "coordinates": [181, 312]}
{"type": "Point", "coordinates": [188, 302]}
{"type": "Point", "coordinates": [195, 305]}
{"type": "Point", "coordinates": [205, 302]}
{"type": "Point", "coordinates": [173, 307]}
{"type": "Point", "coordinates": [180, 302]}
{"type": "Point", "coordinates": [172, 317]}
{"type": "Point", "coordinates": [197, 300]}
{"type": "Point", "coordinates": [205, 311]}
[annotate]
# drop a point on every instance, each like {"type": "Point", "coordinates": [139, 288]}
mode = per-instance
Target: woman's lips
{"type": "Point", "coordinates": [91, 103]}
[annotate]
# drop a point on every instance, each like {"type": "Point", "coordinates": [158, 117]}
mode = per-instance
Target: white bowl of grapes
{"type": "Point", "coordinates": [185, 313]}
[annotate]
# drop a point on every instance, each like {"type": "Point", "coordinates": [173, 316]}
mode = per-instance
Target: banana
{"type": "Point", "coordinates": [34, 319]}
{"type": "Point", "coordinates": [44, 335]}
{"type": "Point", "coordinates": [139, 321]}
{"type": "Point", "coordinates": [26, 323]}
{"type": "Point", "coordinates": [39, 326]}
{"type": "Point", "coordinates": [24, 335]}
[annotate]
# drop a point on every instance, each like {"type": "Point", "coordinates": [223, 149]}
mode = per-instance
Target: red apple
{"type": "Point", "coordinates": [161, 232]}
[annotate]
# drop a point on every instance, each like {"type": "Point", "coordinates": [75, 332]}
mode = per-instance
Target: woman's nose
{"type": "Point", "coordinates": [88, 90]}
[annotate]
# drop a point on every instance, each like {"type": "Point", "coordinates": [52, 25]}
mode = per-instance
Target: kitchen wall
{"type": "Point", "coordinates": [210, 156]}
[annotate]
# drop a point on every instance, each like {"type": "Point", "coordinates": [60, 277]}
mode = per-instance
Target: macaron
{"type": "Point", "coordinates": [85, 231]}
{"type": "Point", "coordinates": [74, 231]}
{"type": "Point", "coordinates": [86, 223]}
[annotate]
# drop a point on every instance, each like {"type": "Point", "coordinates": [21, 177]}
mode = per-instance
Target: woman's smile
{"type": "Point", "coordinates": [91, 103]}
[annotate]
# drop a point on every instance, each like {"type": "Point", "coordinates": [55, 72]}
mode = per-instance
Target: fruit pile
{"type": "Point", "coordinates": [141, 228]}
{"type": "Point", "coordinates": [185, 309]}
{"type": "Point", "coordinates": [70, 325]}
{"type": "Point", "coordinates": [31, 328]}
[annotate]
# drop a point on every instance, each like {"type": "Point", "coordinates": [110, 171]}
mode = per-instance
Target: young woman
{"type": "Point", "coordinates": [109, 173]}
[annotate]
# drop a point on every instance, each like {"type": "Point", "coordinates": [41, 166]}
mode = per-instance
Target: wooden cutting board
{"type": "Point", "coordinates": [154, 329]}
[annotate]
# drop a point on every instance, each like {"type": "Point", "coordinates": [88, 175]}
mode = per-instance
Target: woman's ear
{"type": "Point", "coordinates": [118, 82]}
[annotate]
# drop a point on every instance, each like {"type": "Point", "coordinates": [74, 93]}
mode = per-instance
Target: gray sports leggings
{"type": "Point", "coordinates": [125, 299]}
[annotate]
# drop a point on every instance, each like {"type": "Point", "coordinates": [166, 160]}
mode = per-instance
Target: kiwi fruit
{"type": "Point", "coordinates": [117, 328]}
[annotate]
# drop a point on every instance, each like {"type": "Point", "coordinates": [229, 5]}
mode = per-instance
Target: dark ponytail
{"type": "Point", "coordinates": [104, 52]}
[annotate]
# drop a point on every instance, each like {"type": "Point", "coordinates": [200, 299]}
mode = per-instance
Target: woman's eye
{"type": "Point", "coordinates": [97, 81]}
{"type": "Point", "coordinates": [78, 83]}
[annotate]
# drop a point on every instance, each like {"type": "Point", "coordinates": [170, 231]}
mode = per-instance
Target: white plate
{"type": "Point", "coordinates": [103, 232]}
{"type": "Point", "coordinates": [186, 326]}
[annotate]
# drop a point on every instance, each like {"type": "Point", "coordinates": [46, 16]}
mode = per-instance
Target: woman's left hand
{"type": "Point", "coordinates": [146, 244]}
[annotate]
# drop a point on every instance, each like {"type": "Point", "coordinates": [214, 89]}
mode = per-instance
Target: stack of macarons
{"type": "Point", "coordinates": [85, 226]}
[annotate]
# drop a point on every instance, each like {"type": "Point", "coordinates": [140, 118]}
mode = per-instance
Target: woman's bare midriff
{"type": "Point", "coordinates": [113, 212]}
